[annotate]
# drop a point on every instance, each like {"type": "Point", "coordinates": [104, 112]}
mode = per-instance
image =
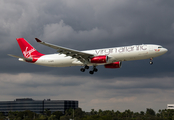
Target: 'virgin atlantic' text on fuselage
{"type": "Point", "coordinates": [121, 49]}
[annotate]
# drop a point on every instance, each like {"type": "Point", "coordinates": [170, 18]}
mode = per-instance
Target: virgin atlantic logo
{"type": "Point", "coordinates": [27, 53]}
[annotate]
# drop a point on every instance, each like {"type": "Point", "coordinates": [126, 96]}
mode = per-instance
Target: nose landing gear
{"type": "Point", "coordinates": [151, 61]}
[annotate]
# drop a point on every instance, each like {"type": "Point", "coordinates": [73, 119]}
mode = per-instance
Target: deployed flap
{"type": "Point", "coordinates": [81, 56]}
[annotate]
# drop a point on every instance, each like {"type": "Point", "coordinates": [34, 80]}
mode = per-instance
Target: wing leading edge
{"type": "Point", "coordinates": [81, 56]}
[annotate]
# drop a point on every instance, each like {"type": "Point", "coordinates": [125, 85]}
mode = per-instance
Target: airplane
{"type": "Point", "coordinates": [109, 57]}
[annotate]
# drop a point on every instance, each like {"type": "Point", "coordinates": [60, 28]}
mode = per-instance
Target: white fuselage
{"type": "Point", "coordinates": [126, 53]}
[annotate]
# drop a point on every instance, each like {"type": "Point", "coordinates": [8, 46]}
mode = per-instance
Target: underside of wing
{"type": "Point", "coordinates": [81, 56]}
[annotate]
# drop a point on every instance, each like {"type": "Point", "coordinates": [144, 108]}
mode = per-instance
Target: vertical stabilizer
{"type": "Point", "coordinates": [28, 50]}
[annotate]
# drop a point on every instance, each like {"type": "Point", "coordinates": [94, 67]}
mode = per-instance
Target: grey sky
{"type": "Point", "coordinates": [83, 25]}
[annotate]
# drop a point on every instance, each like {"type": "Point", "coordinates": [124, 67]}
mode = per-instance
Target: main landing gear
{"type": "Point", "coordinates": [87, 67]}
{"type": "Point", "coordinates": [83, 69]}
{"type": "Point", "coordinates": [151, 61]}
{"type": "Point", "coordinates": [94, 70]}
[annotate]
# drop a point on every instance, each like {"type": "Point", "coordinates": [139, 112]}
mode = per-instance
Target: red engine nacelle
{"type": "Point", "coordinates": [114, 65]}
{"type": "Point", "coordinates": [99, 59]}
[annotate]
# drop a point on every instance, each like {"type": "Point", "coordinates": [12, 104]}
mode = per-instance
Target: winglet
{"type": "Point", "coordinates": [38, 40]}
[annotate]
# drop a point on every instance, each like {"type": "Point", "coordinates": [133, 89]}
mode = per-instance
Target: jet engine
{"type": "Point", "coordinates": [99, 59]}
{"type": "Point", "coordinates": [114, 65]}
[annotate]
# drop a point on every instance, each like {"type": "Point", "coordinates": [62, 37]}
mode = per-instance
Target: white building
{"type": "Point", "coordinates": [170, 106]}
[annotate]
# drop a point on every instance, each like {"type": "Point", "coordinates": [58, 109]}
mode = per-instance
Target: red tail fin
{"type": "Point", "coordinates": [28, 50]}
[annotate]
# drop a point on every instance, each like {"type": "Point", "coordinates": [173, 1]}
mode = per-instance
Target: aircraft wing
{"type": "Point", "coordinates": [81, 56]}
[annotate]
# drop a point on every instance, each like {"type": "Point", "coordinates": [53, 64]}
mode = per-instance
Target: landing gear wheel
{"type": "Point", "coordinates": [82, 69]}
{"type": "Point", "coordinates": [151, 62]}
{"type": "Point", "coordinates": [95, 70]}
{"type": "Point", "coordinates": [86, 67]}
{"type": "Point", "coordinates": [91, 72]}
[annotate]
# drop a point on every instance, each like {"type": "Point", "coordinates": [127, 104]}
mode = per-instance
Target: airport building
{"type": "Point", "coordinates": [37, 106]}
{"type": "Point", "coordinates": [170, 106]}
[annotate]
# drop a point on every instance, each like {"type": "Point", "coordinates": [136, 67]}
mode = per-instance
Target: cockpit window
{"type": "Point", "coordinates": [160, 47]}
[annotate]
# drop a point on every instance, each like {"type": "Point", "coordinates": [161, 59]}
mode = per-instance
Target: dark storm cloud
{"type": "Point", "coordinates": [124, 22]}
{"type": "Point", "coordinates": [84, 25]}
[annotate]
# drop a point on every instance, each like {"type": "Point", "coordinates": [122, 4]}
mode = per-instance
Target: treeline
{"type": "Point", "coordinates": [78, 114]}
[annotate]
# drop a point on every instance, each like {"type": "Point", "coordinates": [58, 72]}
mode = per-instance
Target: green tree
{"type": "Point", "coordinates": [52, 117]}
{"type": "Point", "coordinates": [18, 118]}
{"type": "Point", "coordinates": [42, 117]}
{"type": "Point", "coordinates": [69, 112]}
{"type": "Point", "coordinates": [64, 118]}
{"type": "Point", "coordinates": [93, 112]}
{"type": "Point", "coordinates": [117, 114]}
{"type": "Point", "coordinates": [108, 113]}
{"type": "Point", "coordinates": [128, 113]}
{"type": "Point", "coordinates": [150, 111]}
{"type": "Point", "coordinates": [12, 115]}
{"type": "Point", "coordinates": [142, 113]}
{"type": "Point", "coordinates": [100, 112]}
{"type": "Point", "coordinates": [25, 115]}
{"type": "Point", "coordinates": [78, 113]}
{"type": "Point", "coordinates": [2, 117]}
{"type": "Point", "coordinates": [57, 114]}
{"type": "Point", "coordinates": [47, 112]}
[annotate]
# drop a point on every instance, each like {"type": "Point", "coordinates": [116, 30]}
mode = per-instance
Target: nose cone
{"type": "Point", "coordinates": [164, 50]}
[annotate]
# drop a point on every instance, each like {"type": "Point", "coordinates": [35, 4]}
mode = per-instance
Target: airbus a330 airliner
{"type": "Point", "coordinates": [109, 57]}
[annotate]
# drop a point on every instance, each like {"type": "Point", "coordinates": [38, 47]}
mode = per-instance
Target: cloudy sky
{"type": "Point", "coordinates": [83, 25]}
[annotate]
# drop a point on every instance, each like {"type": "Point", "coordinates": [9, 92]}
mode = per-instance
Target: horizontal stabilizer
{"type": "Point", "coordinates": [27, 59]}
